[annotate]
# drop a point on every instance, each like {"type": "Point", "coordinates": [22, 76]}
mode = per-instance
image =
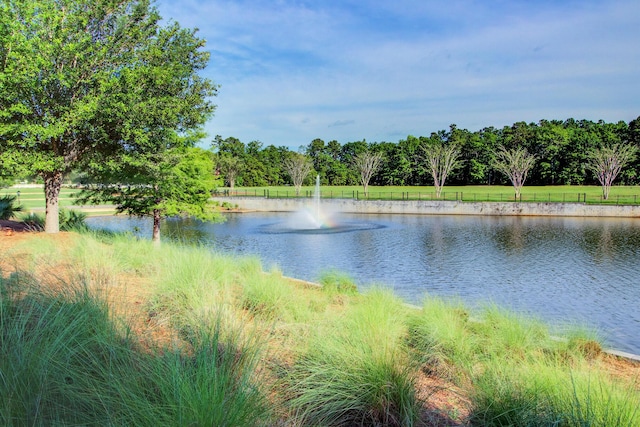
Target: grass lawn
{"type": "Point", "coordinates": [32, 199]}
{"type": "Point", "coordinates": [560, 193]}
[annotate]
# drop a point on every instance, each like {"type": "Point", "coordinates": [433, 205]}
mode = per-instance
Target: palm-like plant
{"type": "Point", "coordinates": [7, 207]}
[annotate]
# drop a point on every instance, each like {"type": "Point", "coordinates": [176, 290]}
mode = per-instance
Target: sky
{"type": "Point", "coordinates": [291, 71]}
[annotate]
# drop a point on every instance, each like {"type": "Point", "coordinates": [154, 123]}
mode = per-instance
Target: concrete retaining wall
{"type": "Point", "coordinates": [430, 207]}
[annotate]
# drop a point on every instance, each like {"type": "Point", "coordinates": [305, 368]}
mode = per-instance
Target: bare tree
{"type": "Point", "coordinates": [515, 164]}
{"type": "Point", "coordinates": [606, 163]}
{"type": "Point", "coordinates": [230, 167]}
{"type": "Point", "coordinates": [298, 167]}
{"type": "Point", "coordinates": [442, 159]}
{"type": "Point", "coordinates": [367, 163]}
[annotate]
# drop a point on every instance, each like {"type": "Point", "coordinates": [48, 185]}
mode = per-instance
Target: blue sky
{"type": "Point", "coordinates": [294, 70]}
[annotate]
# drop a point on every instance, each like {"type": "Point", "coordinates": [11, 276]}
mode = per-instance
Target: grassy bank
{"type": "Point", "coordinates": [470, 193]}
{"type": "Point", "coordinates": [108, 330]}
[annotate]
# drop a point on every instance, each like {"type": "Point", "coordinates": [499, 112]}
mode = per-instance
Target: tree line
{"type": "Point", "coordinates": [562, 152]}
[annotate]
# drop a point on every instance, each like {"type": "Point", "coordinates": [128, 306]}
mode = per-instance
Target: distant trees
{"type": "Point", "coordinates": [441, 159]}
{"type": "Point", "coordinates": [229, 167]}
{"type": "Point", "coordinates": [515, 164]}
{"type": "Point", "coordinates": [367, 163]}
{"type": "Point", "coordinates": [607, 162]}
{"type": "Point", "coordinates": [560, 149]}
{"type": "Point", "coordinates": [298, 167]}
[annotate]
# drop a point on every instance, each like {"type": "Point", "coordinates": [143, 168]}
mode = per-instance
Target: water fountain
{"type": "Point", "coordinates": [314, 218]}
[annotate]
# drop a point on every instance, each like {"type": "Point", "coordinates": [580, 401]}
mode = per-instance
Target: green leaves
{"type": "Point", "coordinates": [89, 84]}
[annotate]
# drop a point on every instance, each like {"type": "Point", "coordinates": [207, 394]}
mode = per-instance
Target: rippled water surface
{"type": "Point", "coordinates": [576, 270]}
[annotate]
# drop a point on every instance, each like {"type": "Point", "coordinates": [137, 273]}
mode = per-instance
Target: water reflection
{"type": "Point", "coordinates": [561, 269]}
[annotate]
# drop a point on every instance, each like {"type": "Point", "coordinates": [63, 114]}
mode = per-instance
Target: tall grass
{"type": "Point", "coordinates": [337, 282]}
{"type": "Point", "coordinates": [270, 297]}
{"type": "Point", "coordinates": [56, 352]}
{"type": "Point", "coordinates": [542, 393]}
{"type": "Point", "coordinates": [355, 371]}
{"type": "Point", "coordinates": [63, 361]}
{"type": "Point", "coordinates": [441, 339]}
{"type": "Point", "coordinates": [192, 281]}
{"type": "Point", "coordinates": [344, 358]}
{"type": "Point", "coordinates": [213, 384]}
{"type": "Point", "coordinates": [516, 373]}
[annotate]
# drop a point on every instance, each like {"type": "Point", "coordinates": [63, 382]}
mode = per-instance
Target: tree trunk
{"type": "Point", "coordinates": [52, 186]}
{"type": "Point", "coordinates": [156, 226]}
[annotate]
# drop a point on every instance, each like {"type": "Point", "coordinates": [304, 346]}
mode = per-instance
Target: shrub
{"type": "Point", "coordinates": [69, 220]}
{"type": "Point", "coordinates": [7, 208]}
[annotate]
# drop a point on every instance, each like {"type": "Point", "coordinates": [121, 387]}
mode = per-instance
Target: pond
{"type": "Point", "coordinates": [563, 270]}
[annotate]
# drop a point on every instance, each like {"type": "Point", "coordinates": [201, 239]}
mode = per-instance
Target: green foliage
{"type": "Point", "coordinates": [355, 371]}
{"type": "Point", "coordinates": [271, 298]}
{"type": "Point", "coordinates": [560, 147]}
{"type": "Point", "coordinates": [441, 339]}
{"type": "Point", "coordinates": [64, 362]}
{"type": "Point", "coordinates": [85, 84]}
{"type": "Point", "coordinates": [533, 394]}
{"type": "Point", "coordinates": [515, 372]}
{"type": "Point", "coordinates": [337, 282]}
{"type": "Point", "coordinates": [69, 220]}
{"type": "Point", "coordinates": [213, 385]}
{"type": "Point", "coordinates": [174, 182]}
{"type": "Point", "coordinates": [7, 208]}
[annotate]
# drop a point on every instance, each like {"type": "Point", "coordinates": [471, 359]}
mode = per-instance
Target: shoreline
{"type": "Point", "coordinates": [430, 207]}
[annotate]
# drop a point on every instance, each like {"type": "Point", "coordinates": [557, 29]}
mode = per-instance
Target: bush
{"type": "Point", "coordinates": [7, 207]}
{"type": "Point", "coordinates": [69, 220]}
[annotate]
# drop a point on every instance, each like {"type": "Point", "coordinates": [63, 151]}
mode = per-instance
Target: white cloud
{"type": "Point", "coordinates": [291, 72]}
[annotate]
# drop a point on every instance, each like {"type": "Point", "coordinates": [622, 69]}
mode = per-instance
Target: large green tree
{"type": "Point", "coordinates": [173, 182]}
{"type": "Point", "coordinates": [85, 83]}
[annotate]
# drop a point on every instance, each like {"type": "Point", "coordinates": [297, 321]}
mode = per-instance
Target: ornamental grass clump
{"type": "Point", "coordinates": [440, 337]}
{"type": "Point", "coordinates": [543, 393]}
{"type": "Point", "coordinates": [65, 361]}
{"type": "Point", "coordinates": [271, 298]}
{"type": "Point", "coordinates": [356, 370]}
{"type": "Point", "coordinates": [192, 281]}
{"type": "Point", "coordinates": [515, 373]}
{"type": "Point", "coordinates": [214, 383]}
{"type": "Point", "coordinates": [62, 362]}
{"type": "Point", "coordinates": [337, 282]}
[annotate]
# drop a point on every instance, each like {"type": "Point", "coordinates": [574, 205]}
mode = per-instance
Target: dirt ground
{"type": "Point", "coordinates": [445, 405]}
